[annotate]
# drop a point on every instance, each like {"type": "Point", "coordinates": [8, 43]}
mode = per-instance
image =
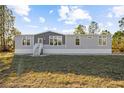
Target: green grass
{"type": "Point", "coordinates": [62, 71]}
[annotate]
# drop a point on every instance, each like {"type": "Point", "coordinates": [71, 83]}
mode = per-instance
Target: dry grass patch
{"type": "Point", "coordinates": [62, 71]}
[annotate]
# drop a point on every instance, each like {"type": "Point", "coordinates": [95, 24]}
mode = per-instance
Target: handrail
{"type": "Point", "coordinates": [39, 47]}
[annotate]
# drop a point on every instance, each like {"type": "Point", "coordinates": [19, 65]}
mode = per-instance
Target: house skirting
{"type": "Point", "coordinates": [77, 51]}
{"type": "Point", "coordinates": [66, 51]}
{"type": "Point", "coordinates": [23, 51]}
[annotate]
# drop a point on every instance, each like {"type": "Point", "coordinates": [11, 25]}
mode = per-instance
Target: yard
{"type": "Point", "coordinates": [61, 71]}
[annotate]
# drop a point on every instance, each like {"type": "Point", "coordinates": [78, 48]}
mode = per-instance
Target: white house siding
{"type": "Point", "coordinates": [23, 51]}
{"type": "Point", "coordinates": [87, 46]}
{"type": "Point", "coordinates": [77, 51]}
{"type": "Point", "coordinates": [53, 46]}
{"type": "Point", "coordinates": [20, 48]}
{"type": "Point", "coordinates": [85, 42]}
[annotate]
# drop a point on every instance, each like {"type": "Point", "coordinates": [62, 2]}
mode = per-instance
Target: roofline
{"type": "Point", "coordinates": [49, 31]}
{"type": "Point", "coordinates": [86, 35]}
{"type": "Point", "coordinates": [67, 34]}
{"type": "Point", "coordinates": [26, 35]}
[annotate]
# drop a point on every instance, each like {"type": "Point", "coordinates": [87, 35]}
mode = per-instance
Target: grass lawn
{"type": "Point", "coordinates": [61, 71]}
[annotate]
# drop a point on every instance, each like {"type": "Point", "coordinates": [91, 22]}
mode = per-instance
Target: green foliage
{"type": "Point", "coordinates": [118, 38]}
{"type": "Point", "coordinates": [7, 30]}
{"type": "Point", "coordinates": [10, 39]}
{"type": "Point", "coordinates": [80, 29]}
{"type": "Point", "coordinates": [118, 41]}
{"type": "Point", "coordinates": [105, 32]}
{"type": "Point", "coordinates": [7, 22]}
{"type": "Point", "coordinates": [121, 24]}
{"type": "Point", "coordinates": [93, 27]}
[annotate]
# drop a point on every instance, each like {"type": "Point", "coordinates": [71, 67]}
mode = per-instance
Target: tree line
{"type": "Point", "coordinates": [117, 37]}
{"type": "Point", "coordinates": [7, 29]}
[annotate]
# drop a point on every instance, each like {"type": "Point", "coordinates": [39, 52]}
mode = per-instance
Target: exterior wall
{"type": "Point", "coordinates": [89, 44]}
{"type": "Point", "coordinates": [20, 48]}
{"type": "Point", "coordinates": [46, 35]}
{"type": "Point", "coordinates": [23, 51]}
{"type": "Point", "coordinates": [86, 42]}
{"type": "Point", "coordinates": [53, 47]}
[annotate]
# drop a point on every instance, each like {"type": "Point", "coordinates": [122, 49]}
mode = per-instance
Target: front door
{"type": "Point", "coordinates": [40, 40]}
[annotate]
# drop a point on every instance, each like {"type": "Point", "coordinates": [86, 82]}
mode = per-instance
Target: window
{"type": "Point", "coordinates": [59, 40]}
{"type": "Point", "coordinates": [55, 40]}
{"type": "Point", "coordinates": [50, 40]}
{"type": "Point", "coordinates": [40, 40]}
{"type": "Point", "coordinates": [26, 41]}
{"type": "Point", "coordinates": [77, 41]}
{"type": "Point", "coordinates": [102, 40]}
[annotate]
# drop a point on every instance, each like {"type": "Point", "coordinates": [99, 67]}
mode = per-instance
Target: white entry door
{"type": "Point", "coordinates": [40, 40]}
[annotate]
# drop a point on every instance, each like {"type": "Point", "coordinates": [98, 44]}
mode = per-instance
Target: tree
{"type": "Point", "coordinates": [80, 29]}
{"type": "Point", "coordinates": [105, 32]}
{"type": "Point", "coordinates": [11, 38]}
{"type": "Point", "coordinates": [6, 24]}
{"type": "Point", "coordinates": [121, 24]}
{"type": "Point", "coordinates": [93, 27]}
{"type": "Point", "coordinates": [118, 41]}
{"type": "Point", "coordinates": [118, 34]}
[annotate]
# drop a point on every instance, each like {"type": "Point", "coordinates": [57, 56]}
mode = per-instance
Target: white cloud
{"type": "Point", "coordinates": [42, 20]}
{"type": "Point", "coordinates": [70, 14]}
{"type": "Point", "coordinates": [50, 28]}
{"type": "Point", "coordinates": [100, 24]}
{"type": "Point", "coordinates": [109, 24]}
{"type": "Point", "coordinates": [22, 10]}
{"type": "Point", "coordinates": [68, 31]}
{"type": "Point", "coordinates": [51, 11]}
{"type": "Point", "coordinates": [27, 19]}
{"type": "Point", "coordinates": [118, 11]}
{"type": "Point", "coordinates": [33, 26]}
{"type": "Point", "coordinates": [109, 15]}
{"type": "Point", "coordinates": [70, 22]}
{"type": "Point", "coordinates": [63, 11]}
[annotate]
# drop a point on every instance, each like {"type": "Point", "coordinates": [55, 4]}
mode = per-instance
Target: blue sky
{"type": "Point", "coordinates": [39, 18]}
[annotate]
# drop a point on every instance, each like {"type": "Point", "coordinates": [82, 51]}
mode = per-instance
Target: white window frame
{"type": "Point", "coordinates": [102, 40]}
{"type": "Point", "coordinates": [75, 41]}
{"type": "Point", "coordinates": [59, 37]}
{"type": "Point", "coordinates": [26, 37]}
{"type": "Point", "coordinates": [53, 37]}
{"type": "Point", "coordinates": [23, 39]}
{"type": "Point", "coordinates": [39, 39]}
{"type": "Point", "coordinates": [30, 41]}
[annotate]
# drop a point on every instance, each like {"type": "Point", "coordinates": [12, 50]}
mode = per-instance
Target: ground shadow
{"type": "Point", "coordinates": [110, 66]}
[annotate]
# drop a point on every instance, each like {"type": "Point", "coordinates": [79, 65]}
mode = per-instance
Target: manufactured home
{"type": "Point", "coordinates": [55, 43]}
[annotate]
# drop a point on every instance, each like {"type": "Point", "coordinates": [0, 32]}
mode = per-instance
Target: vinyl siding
{"type": "Point", "coordinates": [87, 45]}
{"type": "Point", "coordinates": [18, 42]}
{"type": "Point", "coordinates": [46, 35]}
{"type": "Point", "coordinates": [85, 42]}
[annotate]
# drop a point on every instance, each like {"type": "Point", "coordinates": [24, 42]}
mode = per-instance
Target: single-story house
{"type": "Point", "coordinates": [55, 43]}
